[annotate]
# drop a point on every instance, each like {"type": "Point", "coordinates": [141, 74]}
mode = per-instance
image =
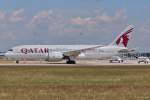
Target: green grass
{"type": "Point", "coordinates": [75, 83]}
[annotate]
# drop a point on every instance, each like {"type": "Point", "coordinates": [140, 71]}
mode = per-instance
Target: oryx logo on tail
{"type": "Point", "coordinates": [124, 37]}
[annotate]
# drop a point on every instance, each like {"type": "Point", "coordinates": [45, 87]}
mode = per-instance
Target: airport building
{"type": "Point", "coordinates": [135, 55]}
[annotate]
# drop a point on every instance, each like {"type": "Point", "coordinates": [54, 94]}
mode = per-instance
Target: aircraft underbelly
{"type": "Point", "coordinates": [21, 56]}
{"type": "Point", "coordinates": [33, 57]}
{"type": "Point", "coordinates": [51, 58]}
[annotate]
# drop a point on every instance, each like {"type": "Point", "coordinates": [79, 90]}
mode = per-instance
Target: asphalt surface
{"type": "Point", "coordinates": [94, 63]}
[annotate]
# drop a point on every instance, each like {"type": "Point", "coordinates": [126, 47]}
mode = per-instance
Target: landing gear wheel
{"type": "Point", "coordinates": [17, 61]}
{"type": "Point", "coordinates": [71, 62]}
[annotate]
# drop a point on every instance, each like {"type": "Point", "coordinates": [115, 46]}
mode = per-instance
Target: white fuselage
{"type": "Point", "coordinates": [71, 52]}
{"type": "Point", "coordinates": [55, 52]}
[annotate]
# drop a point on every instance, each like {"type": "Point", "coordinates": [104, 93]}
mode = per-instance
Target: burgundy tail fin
{"type": "Point", "coordinates": [123, 38]}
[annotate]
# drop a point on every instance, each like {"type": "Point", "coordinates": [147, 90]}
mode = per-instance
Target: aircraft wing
{"type": "Point", "coordinates": [76, 53]}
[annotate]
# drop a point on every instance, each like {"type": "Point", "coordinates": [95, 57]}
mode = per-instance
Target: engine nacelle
{"type": "Point", "coordinates": [55, 56]}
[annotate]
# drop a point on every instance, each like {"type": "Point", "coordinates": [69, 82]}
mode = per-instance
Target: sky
{"type": "Point", "coordinates": [73, 22]}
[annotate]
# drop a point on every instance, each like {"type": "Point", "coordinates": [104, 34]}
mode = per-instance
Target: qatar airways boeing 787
{"type": "Point", "coordinates": [70, 53]}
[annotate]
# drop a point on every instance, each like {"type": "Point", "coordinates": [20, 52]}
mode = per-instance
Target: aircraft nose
{"type": "Point", "coordinates": [10, 55]}
{"type": "Point", "coordinates": [7, 54]}
{"type": "Point", "coordinates": [2, 54]}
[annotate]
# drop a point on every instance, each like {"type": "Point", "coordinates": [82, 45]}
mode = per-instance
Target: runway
{"type": "Point", "coordinates": [94, 63]}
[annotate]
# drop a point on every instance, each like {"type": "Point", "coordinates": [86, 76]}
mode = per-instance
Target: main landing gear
{"type": "Point", "coordinates": [71, 62]}
{"type": "Point", "coordinates": [17, 61]}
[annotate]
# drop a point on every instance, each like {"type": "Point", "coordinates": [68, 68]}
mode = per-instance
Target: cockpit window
{"type": "Point", "coordinates": [10, 50]}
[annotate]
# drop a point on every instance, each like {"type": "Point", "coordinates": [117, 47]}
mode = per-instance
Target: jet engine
{"type": "Point", "coordinates": [55, 56]}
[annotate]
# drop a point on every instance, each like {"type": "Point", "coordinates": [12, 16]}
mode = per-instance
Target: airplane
{"type": "Point", "coordinates": [70, 53]}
